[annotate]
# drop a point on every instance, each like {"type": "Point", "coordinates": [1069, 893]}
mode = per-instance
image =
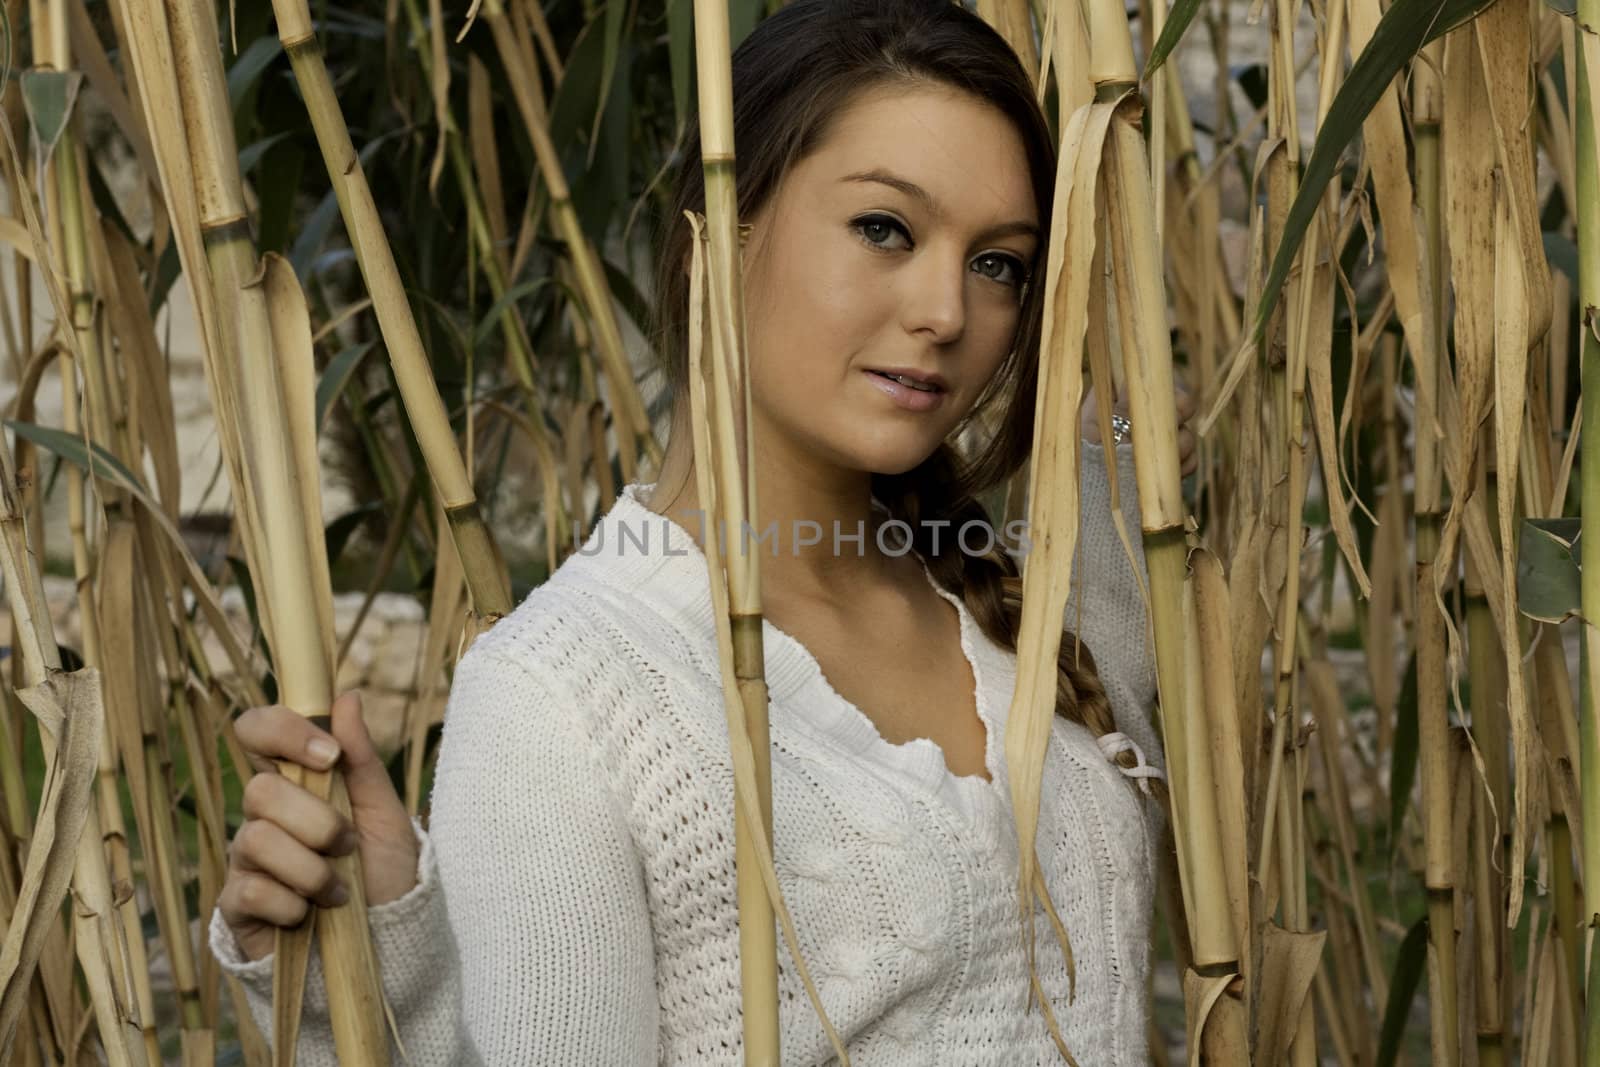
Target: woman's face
{"type": "Point", "coordinates": [901, 242]}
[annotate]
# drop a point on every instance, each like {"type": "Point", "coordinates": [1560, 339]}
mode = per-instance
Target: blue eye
{"type": "Point", "coordinates": [1018, 272]}
{"type": "Point", "coordinates": [874, 230]}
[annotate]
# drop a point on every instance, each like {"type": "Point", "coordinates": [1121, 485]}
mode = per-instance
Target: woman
{"type": "Point", "coordinates": [573, 900]}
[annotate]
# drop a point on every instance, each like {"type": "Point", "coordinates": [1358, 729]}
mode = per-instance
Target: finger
{"type": "Point", "coordinates": [277, 732]}
{"type": "Point", "coordinates": [365, 775]}
{"type": "Point", "coordinates": [267, 848]}
{"type": "Point", "coordinates": [1186, 405]}
{"type": "Point", "coordinates": [254, 896]}
{"type": "Point", "coordinates": [312, 822]}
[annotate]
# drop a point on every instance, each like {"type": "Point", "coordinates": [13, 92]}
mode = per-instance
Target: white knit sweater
{"type": "Point", "coordinates": [575, 902]}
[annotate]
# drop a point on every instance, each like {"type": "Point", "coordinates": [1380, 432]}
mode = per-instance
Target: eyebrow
{"type": "Point", "coordinates": [918, 193]}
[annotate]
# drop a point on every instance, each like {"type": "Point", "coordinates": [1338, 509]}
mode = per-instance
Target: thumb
{"type": "Point", "coordinates": [372, 793]}
{"type": "Point", "coordinates": [388, 844]}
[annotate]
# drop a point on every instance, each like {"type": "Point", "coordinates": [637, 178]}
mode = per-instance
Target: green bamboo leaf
{"type": "Point", "coordinates": [1172, 31]}
{"type": "Point", "coordinates": [1403, 756]}
{"type": "Point", "coordinates": [335, 375]}
{"type": "Point", "coordinates": [313, 231]}
{"type": "Point", "coordinates": [1403, 982]}
{"type": "Point", "coordinates": [490, 321]}
{"type": "Point", "coordinates": [616, 12]}
{"type": "Point", "coordinates": [628, 295]}
{"type": "Point", "coordinates": [251, 154]}
{"type": "Point", "coordinates": [93, 460]}
{"type": "Point", "coordinates": [577, 97]}
{"type": "Point", "coordinates": [48, 97]}
{"type": "Point", "coordinates": [247, 69]}
{"type": "Point", "coordinates": [320, 222]}
{"type": "Point", "coordinates": [596, 161]}
{"type": "Point", "coordinates": [1401, 33]}
{"type": "Point", "coordinates": [1548, 569]}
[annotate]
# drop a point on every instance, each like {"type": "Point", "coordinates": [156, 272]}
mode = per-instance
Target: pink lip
{"type": "Point", "coordinates": [915, 375]}
{"type": "Point", "coordinates": [906, 397]}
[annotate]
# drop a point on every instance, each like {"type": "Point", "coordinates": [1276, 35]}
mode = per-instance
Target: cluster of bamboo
{"type": "Point", "coordinates": [1274, 926]}
{"type": "Point", "coordinates": [1305, 899]}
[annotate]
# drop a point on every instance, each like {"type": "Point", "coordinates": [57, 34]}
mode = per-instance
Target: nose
{"type": "Point", "coordinates": [935, 296]}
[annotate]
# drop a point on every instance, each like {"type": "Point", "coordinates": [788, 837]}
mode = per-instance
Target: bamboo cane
{"type": "Point", "coordinates": [100, 941]}
{"type": "Point", "coordinates": [725, 473]}
{"type": "Point", "coordinates": [245, 333]}
{"type": "Point", "coordinates": [1014, 22]}
{"type": "Point", "coordinates": [104, 426]}
{"type": "Point", "coordinates": [98, 935]}
{"type": "Point", "coordinates": [635, 432]}
{"type": "Point", "coordinates": [1432, 716]}
{"type": "Point", "coordinates": [735, 497]}
{"type": "Point", "coordinates": [486, 580]}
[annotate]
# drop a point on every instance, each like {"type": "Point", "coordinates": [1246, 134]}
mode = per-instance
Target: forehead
{"type": "Point", "coordinates": [964, 152]}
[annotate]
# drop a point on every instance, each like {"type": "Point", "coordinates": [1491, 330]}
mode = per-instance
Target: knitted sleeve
{"type": "Point", "coordinates": [1105, 606]}
{"type": "Point", "coordinates": [527, 938]}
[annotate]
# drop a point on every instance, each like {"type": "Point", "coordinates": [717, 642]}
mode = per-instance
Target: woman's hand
{"type": "Point", "coordinates": [1089, 421]}
{"type": "Point", "coordinates": [278, 864]}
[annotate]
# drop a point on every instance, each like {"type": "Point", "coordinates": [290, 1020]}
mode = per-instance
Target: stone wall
{"type": "Point", "coordinates": [381, 661]}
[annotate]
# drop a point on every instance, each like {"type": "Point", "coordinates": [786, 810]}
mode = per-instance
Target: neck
{"type": "Point", "coordinates": [804, 504]}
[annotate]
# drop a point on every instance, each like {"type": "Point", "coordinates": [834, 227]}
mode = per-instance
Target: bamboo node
{"type": "Point", "coordinates": [222, 227]}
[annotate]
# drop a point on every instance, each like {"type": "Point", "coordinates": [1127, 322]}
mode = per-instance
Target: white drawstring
{"type": "Point", "coordinates": [1115, 744]}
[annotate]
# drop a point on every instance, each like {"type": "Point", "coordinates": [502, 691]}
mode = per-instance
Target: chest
{"type": "Point", "coordinates": [910, 680]}
{"type": "Point", "coordinates": [904, 899]}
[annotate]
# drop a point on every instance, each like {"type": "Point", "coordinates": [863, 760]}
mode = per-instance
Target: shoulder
{"type": "Point", "coordinates": [578, 613]}
{"type": "Point", "coordinates": [548, 627]}
{"type": "Point", "coordinates": [588, 636]}
{"type": "Point", "coordinates": [520, 698]}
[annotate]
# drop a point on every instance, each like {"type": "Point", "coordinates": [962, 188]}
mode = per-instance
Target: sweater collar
{"type": "Point", "coordinates": [649, 558]}
{"type": "Point", "coordinates": [647, 555]}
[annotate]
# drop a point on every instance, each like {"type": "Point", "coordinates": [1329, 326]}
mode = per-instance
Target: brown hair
{"type": "Point", "coordinates": [792, 75]}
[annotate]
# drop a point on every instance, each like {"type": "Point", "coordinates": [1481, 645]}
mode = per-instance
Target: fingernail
{"type": "Point", "coordinates": [339, 895]}
{"type": "Point", "coordinates": [323, 750]}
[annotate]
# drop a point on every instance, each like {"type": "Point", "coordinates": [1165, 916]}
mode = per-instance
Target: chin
{"type": "Point", "coordinates": [899, 463]}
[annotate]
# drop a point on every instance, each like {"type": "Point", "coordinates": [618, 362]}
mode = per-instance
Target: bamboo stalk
{"type": "Point", "coordinates": [97, 935]}
{"type": "Point", "coordinates": [1014, 22]}
{"type": "Point", "coordinates": [1432, 715]}
{"type": "Point", "coordinates": [73, 230]}
{"type": "Point", "coordinates": [634, 431]}
{"type": "Point", "coordinates": [252, 342]}
{"type": "Point", "coordinates": [486, 580]}
{"type": "Point", "coordinates": [99, 940]}
{"type": "Point", "coordinates": [729, 477]}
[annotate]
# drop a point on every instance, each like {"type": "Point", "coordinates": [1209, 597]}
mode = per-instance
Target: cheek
{"type": "Point", "coordinates": [995, 337]}
{"type": "Point", "coordinates": [813, 312]}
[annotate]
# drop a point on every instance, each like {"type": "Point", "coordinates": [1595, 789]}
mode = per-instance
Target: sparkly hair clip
{"type": "Point", "coordinates": [1115, 744]}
